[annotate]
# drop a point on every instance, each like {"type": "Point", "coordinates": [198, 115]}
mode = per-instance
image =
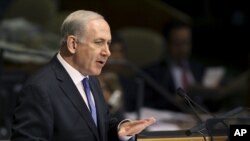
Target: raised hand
{"type": "Point", "coordinates": [131, 128]}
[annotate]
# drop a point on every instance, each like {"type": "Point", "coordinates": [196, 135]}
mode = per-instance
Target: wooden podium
{"type": "Point", "coordinates": [177, 136]}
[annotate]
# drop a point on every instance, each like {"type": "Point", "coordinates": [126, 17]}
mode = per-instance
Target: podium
{"type": "Point", "coordinates": [178, 136]}
{"type": "Point", "coordinates": [214, 129]}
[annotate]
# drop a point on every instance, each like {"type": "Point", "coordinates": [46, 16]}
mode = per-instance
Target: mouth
{"type": "Point", "coordinates": [101, 62]}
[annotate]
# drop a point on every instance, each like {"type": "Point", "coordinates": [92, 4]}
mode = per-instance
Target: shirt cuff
{"type": "Point", "coordinates": [124, 138]}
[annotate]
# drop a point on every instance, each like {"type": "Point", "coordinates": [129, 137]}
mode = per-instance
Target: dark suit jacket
{"type": "Point", "coordinates": [50, 108]}
{"type": "Point", "coordinates": [162, 74]}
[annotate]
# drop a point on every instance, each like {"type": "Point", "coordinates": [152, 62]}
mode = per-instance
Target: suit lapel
{"type": "Point", "coordinates": [73, 94]}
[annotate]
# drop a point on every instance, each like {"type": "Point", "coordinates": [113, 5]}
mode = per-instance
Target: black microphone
{"type": "Point", "coordinates": [202, 126]}
{"type": "Point", "coordinates": [219, 118]}
{"type": "Point", "coordinates": [183, 94]}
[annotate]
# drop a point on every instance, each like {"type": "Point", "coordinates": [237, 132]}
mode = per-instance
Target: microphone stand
{"type": "Point", "coordinates": [203, 125]}
{"type": "Point", "coordinates": [192, 103]}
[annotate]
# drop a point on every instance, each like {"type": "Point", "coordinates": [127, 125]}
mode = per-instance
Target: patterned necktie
{"type": "Point", "coordinates": [91, 104]}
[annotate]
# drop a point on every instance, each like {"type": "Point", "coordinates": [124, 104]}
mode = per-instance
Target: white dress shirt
{"type": "Point", "coordinates": [76, 77]}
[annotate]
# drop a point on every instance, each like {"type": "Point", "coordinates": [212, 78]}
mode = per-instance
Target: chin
{"type": "Point", "coordinates": [96, 72]}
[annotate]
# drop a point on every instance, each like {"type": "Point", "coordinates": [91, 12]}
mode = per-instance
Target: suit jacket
{"type": "Point", "coordinates": [50, 108]}
{"type": "Point", "coordinates": [161, 72]}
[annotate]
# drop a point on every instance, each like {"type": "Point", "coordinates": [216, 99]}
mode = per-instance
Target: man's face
{"type": "Point", "coordinates": [92, 53]}
{"type": "Point", "coordinates": [180, 43]}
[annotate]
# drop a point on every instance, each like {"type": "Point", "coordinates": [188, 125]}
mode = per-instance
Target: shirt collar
{"type": "Point", "coordinates": [75, 75]}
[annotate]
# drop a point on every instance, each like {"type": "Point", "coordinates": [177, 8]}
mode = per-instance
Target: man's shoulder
{"type": "Point", "coordinates": [42, 76]}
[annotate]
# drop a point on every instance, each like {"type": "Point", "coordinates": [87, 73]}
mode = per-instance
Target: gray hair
{"type": "Point", "coordinates": [75, 24]}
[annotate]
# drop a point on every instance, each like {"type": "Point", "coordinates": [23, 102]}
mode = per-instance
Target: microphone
{"type": "Point", "coordinates": [202, 126]}
{"type": "Point", "coordinates": [219, 118]}
{"type": "Point", "coordinates": [183, 94]}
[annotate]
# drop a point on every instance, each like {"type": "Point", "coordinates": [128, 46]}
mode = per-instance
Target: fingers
{"type": "Point", "coordinates": [135, 127]}
{"type": "Point", "coordinates": [144, 122]}
{"type": "Point", "coordinates": [132, 128]}
{"type": "Point", "coordinates": [150, 120]}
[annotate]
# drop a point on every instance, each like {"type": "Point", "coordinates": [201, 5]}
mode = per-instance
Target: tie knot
{"type": "Point", "coordinates": [85, 82]}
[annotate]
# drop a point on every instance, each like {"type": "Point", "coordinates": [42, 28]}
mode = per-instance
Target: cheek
{"type": "Point", "coordinates": [83, 60]}
{"type": "Point", "coordinates": [90, 62]}
{"type": "Point", "coordinates": [87, 59]}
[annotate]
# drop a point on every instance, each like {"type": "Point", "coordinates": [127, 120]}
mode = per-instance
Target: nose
{"type": "Point", "coordinates": [106, 51]}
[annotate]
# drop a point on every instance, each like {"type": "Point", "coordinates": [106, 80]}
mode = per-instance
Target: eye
{"type": "Point", "coordinates": [99, 42]}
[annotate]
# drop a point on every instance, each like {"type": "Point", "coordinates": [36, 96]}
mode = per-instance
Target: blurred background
{"type": "Point", "coordinates": [30, 34]}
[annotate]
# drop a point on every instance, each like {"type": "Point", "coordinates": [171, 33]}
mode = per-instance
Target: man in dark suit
{"type": "Point", "coordinates": [63, 101]}
{"type": "Point", "coordinates": [176, 69]}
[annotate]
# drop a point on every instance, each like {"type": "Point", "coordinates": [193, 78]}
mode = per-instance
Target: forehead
{"type": "Point", "coordinates": [98, 28]}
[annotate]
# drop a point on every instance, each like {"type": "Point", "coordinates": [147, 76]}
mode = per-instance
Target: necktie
{"type": "Point", "coordinates": [91, 104]}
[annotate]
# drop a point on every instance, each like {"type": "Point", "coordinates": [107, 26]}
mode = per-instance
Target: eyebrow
{"type": "Point", "coordinates": [102, 39]}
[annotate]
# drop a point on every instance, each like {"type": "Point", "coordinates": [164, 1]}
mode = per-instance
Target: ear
{"type": "Point", "coordinates": [71, 44]}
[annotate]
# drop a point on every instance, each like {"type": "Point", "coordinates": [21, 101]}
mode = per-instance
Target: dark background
{"type": "Point", "coordinates": [220, 30]}
{"type": "Point", "coordinates": [220, 35]}
{"type": "Point", "coordinates": [220, 27]}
